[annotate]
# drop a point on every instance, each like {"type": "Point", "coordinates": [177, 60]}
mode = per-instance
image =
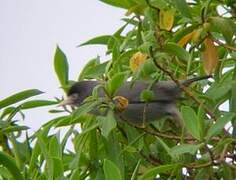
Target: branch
{"type": "Point", "coordinates": [225, 45]}
{"type": "Point", "coordinates": [182, 87]}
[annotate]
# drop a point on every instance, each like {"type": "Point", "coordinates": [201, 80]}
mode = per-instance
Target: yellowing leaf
{"type": "Point", "coordinates": [197, 34]}
{"type": "Point", "coordinates": [166, 19]}
{"type": "Point", "coordinates": [136, 60]}
{"type": "Point", "coordinates": [210, 56]}
{"type": "Point", "coordinates": [121, 102]}
{"type": "Point", "coordinates": [184, 40]}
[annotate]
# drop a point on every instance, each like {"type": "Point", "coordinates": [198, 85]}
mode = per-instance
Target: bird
{"type": "Point", "coordinates": [136, 111]}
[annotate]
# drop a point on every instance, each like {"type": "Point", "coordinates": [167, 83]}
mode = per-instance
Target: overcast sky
{"type": "Point", "coordinates": [29, 33]}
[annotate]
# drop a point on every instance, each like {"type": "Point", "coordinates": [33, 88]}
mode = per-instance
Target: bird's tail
{"type": "Point", "coordinates": [189, 81]}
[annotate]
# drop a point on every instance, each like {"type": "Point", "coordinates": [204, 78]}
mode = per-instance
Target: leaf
{"type": "Point", "coordinates": [219, 125]}
{"type": "Point", "coordinates": [176, 50]}
{"type": "Point", "coordinates": [184, 40]}
{"type": "Point", "coordinates": [11, 129]}
{"type": "Point", "coordinates": [185, 148]}
{"type": "Point", "coordinates": [183, 31]}
{"type": "Point", "coordinates": [85, 108]}
{"type": "Point", "coordinates": [137, 9]}
{"type": "Point", "coordinates": [135, 172]}
{"type": "Point", "coordinates": [37, 103]}
{"type": "Point", "coordinates": [61, 66]}
{"type": "Point", "coordinates": [147, 95]}
{"type": "Point", "coordinates": [136, 60]}
{"type": "Point", "coordinates": [55, 148]}
{"type": "Point", "coordinates": [151, 173]}
{"type": "Point", "coordinates": [100, 40]}
{"type": "Point", "coordinates": [116, 82]}
{"type": "Point", "coordinates": [8, 162]}
{"type": "Point", "coordinates": [161, 4]}
{"type": "Point", "coordinates": [183, 7]}
{"type": "Point", "coordinates": [166, 19]}
{"type": "Point", "coordinates": [224, 26]}
{"type": "Point", "coordinates": [19, 97]}
{"type": "Point", "coordinates": [107, 123]}
{"type": "Point", "coordinates": [93, 72]}
{"type": "Point", "coordinates": [121, 3]}
{"type": "Point", "coordinates": [191, 121]}
{"type": "Point", "coordinates": [111, 171]}
{"type": "Point", "coordinates": [90, 64]}
{"type": "Point", "coordinates": [210, 56]}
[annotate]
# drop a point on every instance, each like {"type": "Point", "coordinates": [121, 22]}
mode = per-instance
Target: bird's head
{"type": "Point", "coordinates": [73, 96]}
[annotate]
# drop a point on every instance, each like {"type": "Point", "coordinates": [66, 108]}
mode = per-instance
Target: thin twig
{"type": "Point", "coordinates": [223, 154]}
{"type": "Point", "coordinates": [225, 45]}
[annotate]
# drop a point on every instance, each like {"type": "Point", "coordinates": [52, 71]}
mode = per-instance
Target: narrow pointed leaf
{"type": "Point", "coordinates": [61, 66]}
{"type": "Point", "coordinates": [19, 97]}
{"type": "Point", "coordinates": [151, 173]}
{"type": "Point", "coordinates": [100, 40]}
{"type": "Point", "coordinates": [111, 171]}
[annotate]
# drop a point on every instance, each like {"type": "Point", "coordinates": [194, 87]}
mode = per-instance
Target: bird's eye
{"type": "Point", "coordinates": [74, 96]}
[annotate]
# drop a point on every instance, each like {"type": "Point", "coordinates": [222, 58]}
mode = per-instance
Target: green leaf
{"type": "Point", "coordinates": [111, 171]}
{"type": "Point", "coordinates": [183, 7]}
{"type": "Point", "coordinates": [116, 82]}
{"type": "Point", "coordinates": [176, 50]}
{"type": "Point", "coordinates": [61, 67]}
{"type": "Point", "coordinates": [8, 162]}
{"type": "Point", "coordinates": [58, 169]}
{"type": "Point", "coordinates": [55, 148]}
{"type": "Point", "coordinates": [11, 129]}
{"type": "Point", "coordinates": [185, 148]}
{"type": "Point", "coordinates": [19, 97]}
{"type": "Point", "coordinates": [135, 173]}
{"type": "Point", "coordinates": [146, 95]}
{"type": "Point", "coordinates": [85, 108]}
{"type": "Point", "coordinates": [161, 4]}
{"type": "Point", "coordinates": [182, 32]}
{"type": "Point", "coordinates": [151, 173]}
{"type": "Point", "coordinates": [90, 64]}
{"type": "Point", "coordinates": [37, 103]}
{"type": "Point", "coordinates": [126, 4]}
{"type": "Point", "coordinates": [191, 121]}
{"type": "Point", "coordinates": [224, 26]}
{"type": "Point", "coordinates": [107, 123]}
{"type": "Point", "coordinates": [93, 72]}
{"type": "Point", "coordinates": [219, 125]}
{"type": "Point", "coordinates": [100, 40]}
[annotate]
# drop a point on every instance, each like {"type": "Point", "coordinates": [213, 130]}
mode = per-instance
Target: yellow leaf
{"type": "Point", "coordinates": [210, 56]}
{"type": "Point", "coordinates": [136, 60]}
{"type": "Point", "coordinates": [121, 102]}
{"type": "Point", "coordinates": [166, 19]}
{"type": "Point", "coordinates": [196, 35]}
{"type": "Point", "coordinates": [184, 40]}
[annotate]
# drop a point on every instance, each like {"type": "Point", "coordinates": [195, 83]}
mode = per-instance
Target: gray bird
{"type": "Point", "coordinates": [163, 103]}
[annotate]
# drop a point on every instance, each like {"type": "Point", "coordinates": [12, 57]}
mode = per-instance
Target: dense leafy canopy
{"type": "Point", "coordinates": [160, 40]}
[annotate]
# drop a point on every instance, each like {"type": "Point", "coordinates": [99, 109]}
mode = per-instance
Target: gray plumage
{"type": "Point", "coordinates": [165, 95]}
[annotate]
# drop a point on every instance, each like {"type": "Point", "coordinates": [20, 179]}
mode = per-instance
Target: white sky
{"type": "Point", "coordinates": [29, 32]}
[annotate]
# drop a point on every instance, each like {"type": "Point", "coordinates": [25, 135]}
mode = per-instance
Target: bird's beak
{"type": "Point", "coordinates": [68, 101]}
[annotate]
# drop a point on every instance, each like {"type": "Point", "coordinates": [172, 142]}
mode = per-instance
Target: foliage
{"type": "Point", "coordinates": [160, 40]}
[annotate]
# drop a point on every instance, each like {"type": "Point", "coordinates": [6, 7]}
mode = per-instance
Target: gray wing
{"type": "Point", "coordinates": [163, 90]}
{"type": "Point", "coordinates": [140, 114]}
